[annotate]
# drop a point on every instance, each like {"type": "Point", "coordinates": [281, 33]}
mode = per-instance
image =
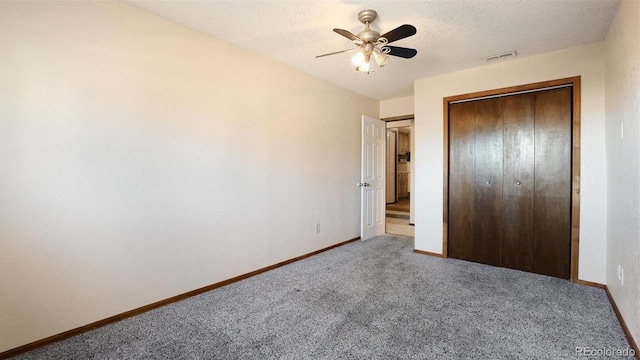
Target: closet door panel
{"type": "Point", "coordinates": [517, 235]}
{"type": "Point", "coordinates": [552, 213]}
{"type": "Point", "coordinates": [488, 182]}
{"type": "Point", "coordinates": [461, 173]}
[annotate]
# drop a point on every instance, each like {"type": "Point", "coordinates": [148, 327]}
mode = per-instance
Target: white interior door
{"type": "Point", "coordinates": [372, 181]}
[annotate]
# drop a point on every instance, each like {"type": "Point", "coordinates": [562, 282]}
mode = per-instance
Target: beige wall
{"type": "Point", "coordinates": [396, 107]}
{"type": "Point", "coordinates": [622, 70]}
{"type": "Point", "coordinates": [141, 160]}
{"type": "Point", "coordinates": [586, 61]}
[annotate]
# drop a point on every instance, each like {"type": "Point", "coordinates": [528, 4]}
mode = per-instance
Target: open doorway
{"type": "Point", "coordinates": [398, 178]}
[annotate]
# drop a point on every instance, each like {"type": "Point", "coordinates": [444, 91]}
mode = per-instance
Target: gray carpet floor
{"type": "Point", "coordinates": [366, 300]}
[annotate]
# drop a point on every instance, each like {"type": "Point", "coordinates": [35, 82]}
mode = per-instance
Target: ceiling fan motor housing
{"type": "Point", "coordinates": [369, 36]}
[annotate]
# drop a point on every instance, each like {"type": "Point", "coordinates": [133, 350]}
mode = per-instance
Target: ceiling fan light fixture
{"type": "Point", "coordinates": [366, 64]}
{"type": "Point", "coordinates": [381, 59]}
{"type": "Point", "coordinates": [364, 67]}
{"type": "Point", "coordinates": [358, 59]}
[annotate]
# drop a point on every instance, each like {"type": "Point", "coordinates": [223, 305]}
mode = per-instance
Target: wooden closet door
{"type": "Point", "coordinates": [461, 180]}
{"type": "Point", "coordinates": [552, 214]}
{"type": "Point", "coordinates": [510, 182]}
{"type": "Point", "coordinates": [487, 211]}
{"type": "Point", "coordinates": [475, 181]}
{"type": "Point", "coordinates": [518, 188]}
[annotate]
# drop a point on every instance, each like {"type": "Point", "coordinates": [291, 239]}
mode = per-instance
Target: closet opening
{"type": "Point", "coordinates": [512, 177]}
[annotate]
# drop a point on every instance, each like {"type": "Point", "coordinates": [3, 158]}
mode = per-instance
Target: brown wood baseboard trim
{"type": "Point", "coordinates": [623, 324]}
{"type": "Point", "coordinates": [589, 283]}
{"type": "Point", "coordinates": [428, 253]}
{"type": "Point", "coordinates": [100, 323]}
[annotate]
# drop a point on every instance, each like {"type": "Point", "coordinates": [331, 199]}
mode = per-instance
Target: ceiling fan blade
{"type": "Point", "coordinates": [346, 34]}
{"type": "Point", "coordinates": [400, 32]}
{"type": "Point", "coordinates": [333, 53]}
{"type": "Point", "coordinates": [402, 52]}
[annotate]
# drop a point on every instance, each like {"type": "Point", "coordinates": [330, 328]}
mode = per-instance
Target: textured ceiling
{"type": "Point", "coordinates": [451, 35]}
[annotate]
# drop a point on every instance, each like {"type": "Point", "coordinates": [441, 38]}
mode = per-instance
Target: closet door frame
{"type": "Point", "coordinates": [575, 159]}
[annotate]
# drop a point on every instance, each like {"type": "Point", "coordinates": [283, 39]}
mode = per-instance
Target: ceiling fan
{"type": "Point", "coordinates": [370, 43]}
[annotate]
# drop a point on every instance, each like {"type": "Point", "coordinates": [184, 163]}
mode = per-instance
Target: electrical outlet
{"type": "Point", "coordinates": [317, 228]}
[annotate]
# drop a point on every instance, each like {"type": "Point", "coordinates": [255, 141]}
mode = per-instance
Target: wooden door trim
{"type": "Point", "coordinates": [398, 118]}
{"type": "Point", "coordinates": [575, 158]}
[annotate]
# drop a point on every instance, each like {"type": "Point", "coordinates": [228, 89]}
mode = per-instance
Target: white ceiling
{"type": "Point", "coordinates": [451, 35]}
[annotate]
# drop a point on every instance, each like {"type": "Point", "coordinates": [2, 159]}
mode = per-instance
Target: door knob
{"type": "Point", "coordinates": [488, 182]}
{"type": "Point", "coordinates": [517, 182]}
